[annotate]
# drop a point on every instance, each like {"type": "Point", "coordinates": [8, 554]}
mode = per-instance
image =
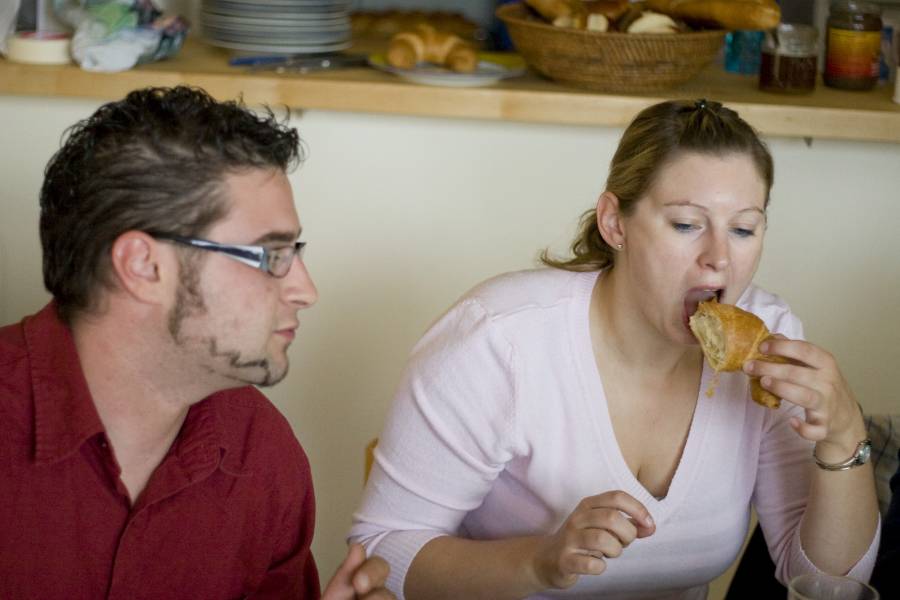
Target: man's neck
{"type": "Point", "coordinates": [142, 399]}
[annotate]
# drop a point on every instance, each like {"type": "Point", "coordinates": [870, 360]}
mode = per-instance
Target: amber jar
{"type": "Point", "coordinates": [852, 45]}
{"type": "Point", "coordinates": [789, 59]}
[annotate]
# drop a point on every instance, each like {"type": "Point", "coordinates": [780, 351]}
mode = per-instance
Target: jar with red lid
{"type": "Point", "coordinates": [852, 45]}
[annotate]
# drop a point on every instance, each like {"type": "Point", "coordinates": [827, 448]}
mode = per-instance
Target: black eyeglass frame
{"type": "Point", "coordinates": [258, 257]}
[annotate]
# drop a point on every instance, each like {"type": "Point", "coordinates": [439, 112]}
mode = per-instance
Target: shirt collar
{"type": "Point", "coordinates": [200, 444]}
{"type": "Point", "coordinates": [64, 412]}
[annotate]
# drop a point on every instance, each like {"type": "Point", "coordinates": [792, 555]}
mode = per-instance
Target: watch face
{"type": "Point", "coordinates": [862, 457]}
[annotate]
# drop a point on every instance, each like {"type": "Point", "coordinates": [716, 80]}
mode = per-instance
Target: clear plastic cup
{"type": "Point", "coordinates": [819, 586]}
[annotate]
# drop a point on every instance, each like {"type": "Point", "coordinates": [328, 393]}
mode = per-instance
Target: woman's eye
{"type": "Point", "coordinates": [744, 232]}
{"type": "Point", "coordinates": [684, 227]}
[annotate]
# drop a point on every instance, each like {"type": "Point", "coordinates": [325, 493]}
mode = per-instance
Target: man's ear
{"type": "Point", "coordinates": [609, 220]}
{"type": "Point", "coordinates": [138, 265]}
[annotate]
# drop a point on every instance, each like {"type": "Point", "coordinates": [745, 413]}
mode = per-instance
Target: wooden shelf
{"type": "Point", "coordinates": [826, 113]}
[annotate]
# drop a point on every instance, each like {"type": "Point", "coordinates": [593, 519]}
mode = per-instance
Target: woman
{"type": "Point", "coordinates": [558, 429]}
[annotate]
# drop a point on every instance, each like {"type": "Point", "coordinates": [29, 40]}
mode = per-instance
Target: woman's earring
{"type": "Point", "coordinates": [619, 246]}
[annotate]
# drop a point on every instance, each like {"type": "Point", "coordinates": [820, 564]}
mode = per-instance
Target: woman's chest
{"type": "Point", "coordinates": [699, 454]}
{"type": "Point", "coordinates": [651, 426]}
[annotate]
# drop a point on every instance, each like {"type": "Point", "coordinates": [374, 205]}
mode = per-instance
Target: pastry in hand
{"type": "Point", "coordinates": [425, 44]}
{"type": "Point", "coordinates": [729, 337]}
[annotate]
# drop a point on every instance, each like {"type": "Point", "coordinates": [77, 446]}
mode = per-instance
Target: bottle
{"type": "Point", "coordinates": [789, 59]}
{"type": "Point", "coordinates": [852, 45]}
{"type": "Point", "coordinates": [742, 51]}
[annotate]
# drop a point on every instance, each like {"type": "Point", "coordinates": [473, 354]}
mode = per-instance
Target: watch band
{"type": "Point", "coordinates": [860, 457]}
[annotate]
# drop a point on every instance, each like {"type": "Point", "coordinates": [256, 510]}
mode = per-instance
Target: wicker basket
{"type": "Point", "coordinates": [610, 61]}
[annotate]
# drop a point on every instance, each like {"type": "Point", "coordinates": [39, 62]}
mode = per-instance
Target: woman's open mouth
{"type": "Point", "coordinates": [694, 297]}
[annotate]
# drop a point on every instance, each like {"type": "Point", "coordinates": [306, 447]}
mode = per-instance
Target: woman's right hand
{"type": "Point", "coordinates": [600, 527]}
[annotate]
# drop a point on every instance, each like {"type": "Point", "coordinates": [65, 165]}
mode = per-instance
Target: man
{"type": "Point", "coordinates": [136, 460]}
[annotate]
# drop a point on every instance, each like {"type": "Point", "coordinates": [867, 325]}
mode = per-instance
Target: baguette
{"type": "Point", "coordinates": [728, 14]}
{"type": "Point", "coordinates": [729, 337]}
{"type": "Point", "coordinates": [593, 15]}
{"type": "Point", "coordinates": [575, 13]}
{"type": "Point", "coordinates": [652, 22]}
{"type": "Point", "coordinates": [552, 10]}
{"type": "Point", "coordinates": [597, 22]}
{"type": "Point", "coordinates": [611, 9]}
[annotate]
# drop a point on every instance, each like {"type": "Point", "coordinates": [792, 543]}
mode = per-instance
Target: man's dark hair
{"type": "Point", "coordinates": [154, 161]}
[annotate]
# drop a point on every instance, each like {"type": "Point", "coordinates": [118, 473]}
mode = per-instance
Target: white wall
{"type": "Point", "coordinates": [404, 214]}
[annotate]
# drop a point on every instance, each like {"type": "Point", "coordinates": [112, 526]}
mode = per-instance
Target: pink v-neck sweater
{"type": "Point", "coordinates": [500, 427]}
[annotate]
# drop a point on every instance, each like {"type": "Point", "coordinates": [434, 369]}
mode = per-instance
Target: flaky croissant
{"type": "Point", "coordinates": [425, 43]}
{"type": "Point", "coordinates": [729, 337]}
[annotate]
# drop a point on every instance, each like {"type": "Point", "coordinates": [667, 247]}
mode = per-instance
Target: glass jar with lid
{"type": "Point", "coordinates": [853, 45]}
{"type": "Point", "coordinates": [789, 59]}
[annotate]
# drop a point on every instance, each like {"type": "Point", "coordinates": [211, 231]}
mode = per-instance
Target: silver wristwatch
{"type": "Point", "coordinates": [860, 457]}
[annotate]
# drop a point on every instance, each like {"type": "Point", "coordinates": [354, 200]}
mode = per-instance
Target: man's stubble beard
{"type": "Point", "coordinates": [189, 302]}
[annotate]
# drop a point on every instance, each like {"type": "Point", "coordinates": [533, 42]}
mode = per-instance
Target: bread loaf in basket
{"type": "Point", "coordinates": [609, 61]}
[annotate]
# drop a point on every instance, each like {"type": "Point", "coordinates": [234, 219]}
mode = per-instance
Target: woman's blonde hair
{"type": "Point", "coordinates": [658, 135]}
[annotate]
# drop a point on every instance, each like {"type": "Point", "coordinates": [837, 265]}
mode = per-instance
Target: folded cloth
{"type": "Point", "coordinates": [115, 35]}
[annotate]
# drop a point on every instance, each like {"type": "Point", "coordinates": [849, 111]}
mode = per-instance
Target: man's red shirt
{"type": "Point", "coordinates": [228, 513]}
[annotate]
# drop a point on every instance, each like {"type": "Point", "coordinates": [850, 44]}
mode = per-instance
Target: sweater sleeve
{"type": "Point", "coordinates": [448, 436]}
{"type": "Point", "coordinates": [783, 481]}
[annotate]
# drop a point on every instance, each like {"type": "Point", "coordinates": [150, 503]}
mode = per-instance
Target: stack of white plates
{"type": "Point", "coordinates": [278, 26]}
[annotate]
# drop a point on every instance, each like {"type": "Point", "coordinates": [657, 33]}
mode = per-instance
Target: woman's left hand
{"type": "Point", "coordinates": [813, 381]}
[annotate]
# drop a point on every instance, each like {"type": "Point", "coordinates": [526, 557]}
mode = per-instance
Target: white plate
{"type": "Point", "coordinates": [250, 29]}
{"type": "Point", "coordinates": [288, 4]}
{"type": "Point", "coordinates": [300, 15]}
{"type": "Point", "coordinates": [294, 40]}
{"type": "Point", "coordinates": [490, 69]}
{"type": "Point", "coordinates": [278, 48]}
{"type": "Point", "coordinates": [232, 21]}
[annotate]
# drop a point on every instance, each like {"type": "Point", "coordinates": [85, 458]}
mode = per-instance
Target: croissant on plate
{"type": "Point", "coordinates": [729, 337]}
{"type": "Point", "coordinates": [425, 43]}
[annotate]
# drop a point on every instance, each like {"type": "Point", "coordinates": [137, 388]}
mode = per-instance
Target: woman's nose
{"type": "Point", "coordinates": [716, 253]}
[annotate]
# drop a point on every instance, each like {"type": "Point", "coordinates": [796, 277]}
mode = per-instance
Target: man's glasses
{"type": "Point", "coordinates": [276, 262]}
